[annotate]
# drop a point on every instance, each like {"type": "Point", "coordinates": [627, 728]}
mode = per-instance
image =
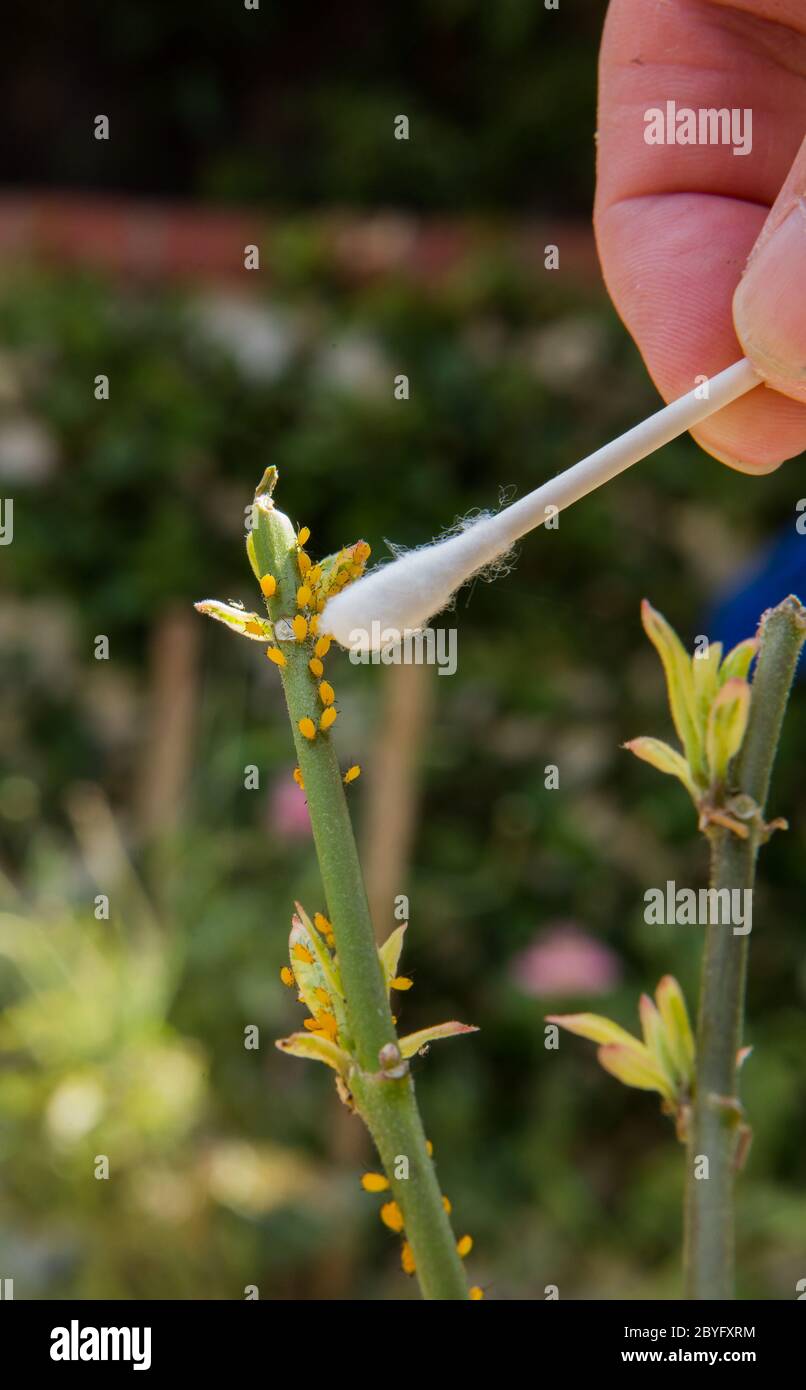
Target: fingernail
{"type": "Point", "coordinates": [768, 306]}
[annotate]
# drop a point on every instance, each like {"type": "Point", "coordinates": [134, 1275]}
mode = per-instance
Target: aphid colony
{"type": "Point", "coordinates": [318, 583]}
{"type": "Point", "coordinates": [295, 602]}
{"type": "Point", "coordinates": [392, 1217]}
{"type": "Point", "coordinates": [313, 970]}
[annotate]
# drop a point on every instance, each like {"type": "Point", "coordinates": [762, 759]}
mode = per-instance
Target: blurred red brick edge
{"type": "Point", "coordinates": [163, 240]}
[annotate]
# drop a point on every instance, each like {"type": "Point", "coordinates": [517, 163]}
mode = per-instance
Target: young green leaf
{"type": "Point", "coordinates": [252, 557]}
{"type": "Point", "coordinates": [727, 722]}
{"type": "Point", "coordinates": [677, 1028]}
{"type": "Point", "coordinates": [663, 1062]}
{"type": "Point", "coordinates": [314, 968]}
{"type": "Point", "coordinates": [634, 1066]}
{"type": "Point", "coordinates": [594, 1027]}
{"type": "Point", "coordinates": [325, 960]}
{"type": "Point", "coordinates": [679, 684]}
{"type": "Point", "coordinates": [342, 567]}
{"type": "Point", "coordinates": [655, 1039]}
{"type": "Point", "coordinates": [316, 1050]}
{"type": "Point", "coordinates": [738, 661]}
{"type": "Point", "coordinates": [414, 1041]}
{"type": "Point", "coordinates": [389, 953]}
{"type": "Point", "coordinates": [705, 672]}
{"type": "Point", "coordinates": [665, 759]}
{"type": "Point", "coordinates": [237, 618]}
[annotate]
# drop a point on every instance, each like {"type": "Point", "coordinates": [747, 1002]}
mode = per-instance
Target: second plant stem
{"type": "Point", "coordinates": [717, 1117]}
{"type": "Point", "coordinates": [387, 1106]}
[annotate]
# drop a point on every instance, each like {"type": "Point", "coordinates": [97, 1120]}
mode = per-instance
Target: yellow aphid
{"type": "Point", "coordinates": [304, 596]}
{"type": "Point", "coordinates": [329, 717]}
{"type": "Point", "coordinates": [298, 778]}
{"type": "Point", "coordinates": [394, 1020]}
{"type": "Point", "coordinates": [446, 1202]}
{"type": "Point", "coordinates": [322, 923]}
{"type": "Point", "coordinates": [429, 1148]}
{"type": "Point", "coordinates": [374, 1182]}
{"type": "Point", "coordinates": [464, 1246]}
{"type": "Point", "coordinates": [307, 728]}
{"type": "Point", "coordinates": [326, 693]}
{"type": "Point", "coordinates": [351, 774]}
{"type": "Point", "coordinates": [331, 941]}
{"type": "Point", "coordinates": [299, 627]}
{"type": "Point", "coordinates": [303, 535]}
{"type": "Point", "coordinates": [314, 575]}
{"type": "Point", "coordinates": [254, 627]}
{"type": "Point", "coordinates": [274, 654]}
{"type": "Point", "coordinates": [343, 578]}
{"type": "Point", "coordinates": [302, 953]}
{"type": "Point", "coordinates": [322, 647]}
{"type": "Point", "coordinates": [402, 982]}
{"type": "Point", "coordinates": [287, 977]}
{"type": "Point", "coordinates": [475, 1293]}
{"type": "Point", "coordinates": [324, 1024]}
{"type": "Point", "coordinates": [407, 1259]}
{"type": "Point", "coordinates": [320, 608]}
{"type": "Point", "coordinates": [362, 552]}
{"type": "Point", "coordinates": [322, 995]}
{"type": "Point", "coordinates": [304, 562]}
{"type": "Point", "coordinates": [392, 1216]}
{"type": "Point", "coordinates": [268, 585]}
{"type": "Point", "coordinates": [315, 667]}
{"type": "Point", "coordinates": [313, 623]}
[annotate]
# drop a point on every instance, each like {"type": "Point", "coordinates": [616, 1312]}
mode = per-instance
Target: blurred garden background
{"type": "Point", "coordinates": [125, 776]}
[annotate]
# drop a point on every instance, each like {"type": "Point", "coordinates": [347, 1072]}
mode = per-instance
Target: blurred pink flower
{"type": "Point", "coordinates": [288, 809]}
{"type": "Point", "coordinates": [565, 960]}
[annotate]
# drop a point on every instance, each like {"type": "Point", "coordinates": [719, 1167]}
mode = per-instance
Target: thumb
{"type": "Point", "coordinates": [769, 306]}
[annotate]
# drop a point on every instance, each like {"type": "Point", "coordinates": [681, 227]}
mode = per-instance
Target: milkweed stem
{"type": "Point", "coordinates": [386, 1103]}
{"type": "Point", "coordinates": [717, 1120]}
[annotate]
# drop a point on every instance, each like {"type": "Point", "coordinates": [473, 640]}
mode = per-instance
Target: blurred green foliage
{"type": "Point", "coordinates": [232, 1167]}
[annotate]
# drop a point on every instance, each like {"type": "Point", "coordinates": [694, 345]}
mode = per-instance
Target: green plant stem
{"type": "Point", "coordinates": [387, 1106]}
{"type": "Point", "coordinates": [717, 1120]}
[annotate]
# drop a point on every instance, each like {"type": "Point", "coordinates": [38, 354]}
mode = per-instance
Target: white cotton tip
{"type": "Point", "coordinates": [400, 597]}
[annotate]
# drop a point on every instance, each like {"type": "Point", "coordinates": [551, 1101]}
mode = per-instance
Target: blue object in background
{"type": "Point", "coordinates": [779, 569]}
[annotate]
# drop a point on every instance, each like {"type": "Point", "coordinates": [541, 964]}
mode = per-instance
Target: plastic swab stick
{"type": "Point", "coordinates": [401, 596]}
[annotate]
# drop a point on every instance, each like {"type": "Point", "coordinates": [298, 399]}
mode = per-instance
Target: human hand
{"type": "Point", "coordinates": [675, 223]}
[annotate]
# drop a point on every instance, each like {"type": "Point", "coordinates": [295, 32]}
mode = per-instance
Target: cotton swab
{"type": "Point", "coordinates": [400, 597]}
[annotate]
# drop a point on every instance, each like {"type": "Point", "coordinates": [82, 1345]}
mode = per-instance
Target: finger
{"type": "Point", "coordinates": [676, 223]}
{"type": "Point", "coordinates": [769, 306]}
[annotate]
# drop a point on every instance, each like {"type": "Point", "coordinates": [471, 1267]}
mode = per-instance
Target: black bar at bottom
{"type": "Point", "coordinates": [55, 1339]}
